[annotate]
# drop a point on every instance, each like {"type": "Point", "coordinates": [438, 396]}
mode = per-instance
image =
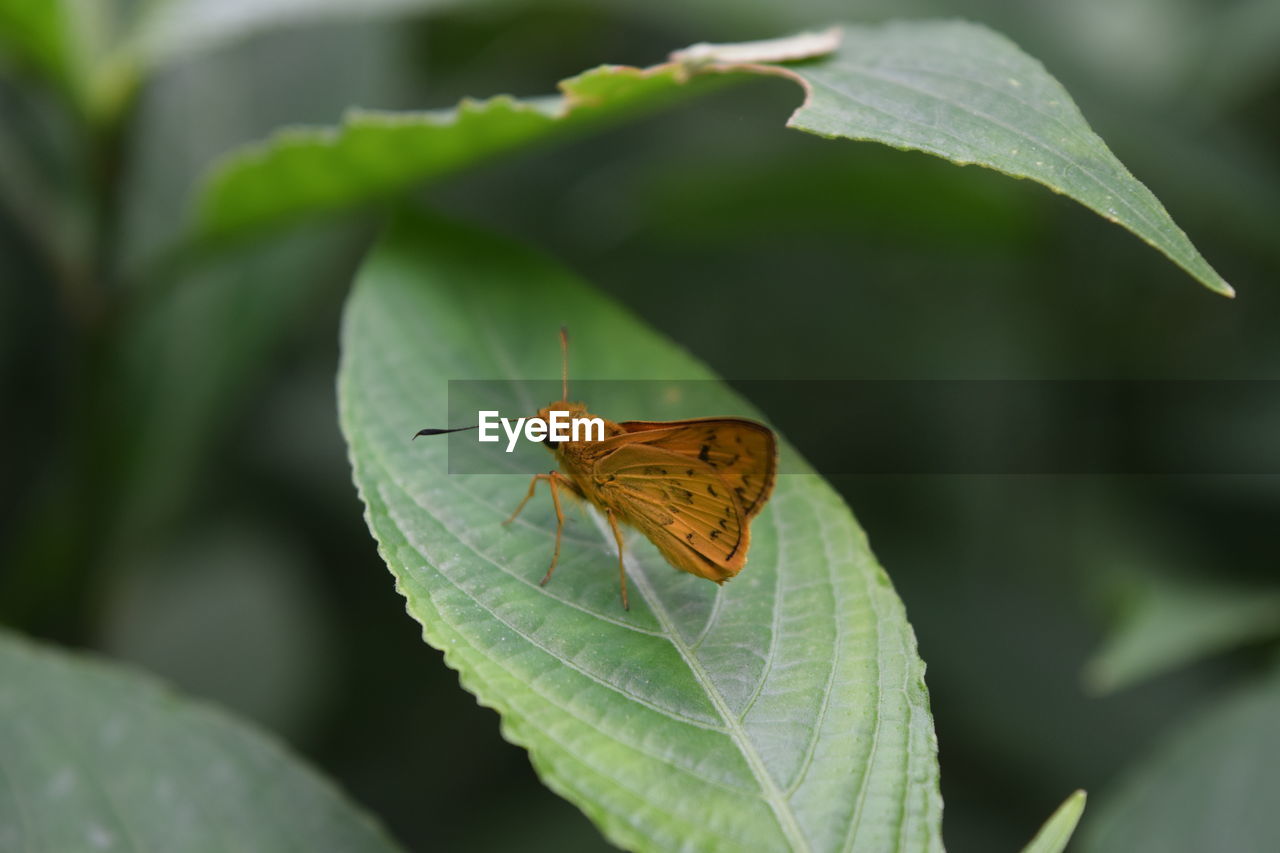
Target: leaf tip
{"type": "Point", "coordinates": [1061, 825]}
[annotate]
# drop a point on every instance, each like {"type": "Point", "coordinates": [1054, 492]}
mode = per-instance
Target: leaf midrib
{"type": "Point", "coordinates": [392, 480]}
{"type": "Point", "coordinates": [667, 714]}
{"type": "Point", "coordinates": [771, 793]}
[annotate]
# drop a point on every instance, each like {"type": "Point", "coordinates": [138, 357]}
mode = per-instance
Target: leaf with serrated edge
{"type": "Point", "coordinates": [302, 171]}
{"type": "Point", "coordinates": [786, 709]}
{"type": "Point", "coordinates": [969, 95]}
{"type": "Point", "coordinates": [97, 757]}
{"type": "Point", "coordinates": [949, 88]}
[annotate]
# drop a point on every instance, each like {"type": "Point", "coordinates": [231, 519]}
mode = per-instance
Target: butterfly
{"type": "Point", "coordinates": [692, 487]}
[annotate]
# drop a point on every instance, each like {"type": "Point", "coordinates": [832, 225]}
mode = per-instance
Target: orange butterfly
{"type": "Point", "coordinates": [691, 486]}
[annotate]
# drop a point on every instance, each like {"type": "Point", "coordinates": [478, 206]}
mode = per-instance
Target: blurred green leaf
{"type": "Point", "coordinates": [38, 35]}
{"type": "Point", "coordinates": [1210, 786]}
{"type": "Point", "coordinates": [98, 51]}
{"type": "Point", "coordinates": [1168, 622]}
{"type": "Point", "coordinates": [786, 709]}
{"type": "Point", "coordinates": [94, 757]}
{"type": "Point", "coordinates": [173, 30]}
{"type": "Point", "coordinates": [302, 171]}
{"type": "Point", "coordinates": [190, 116]}
{"type": "Point", "coordinates": [969, 95]}
{"type": "Point", "coordinates": [1057, 830]}
{"type": "Point", "coordinates": [80, 47]}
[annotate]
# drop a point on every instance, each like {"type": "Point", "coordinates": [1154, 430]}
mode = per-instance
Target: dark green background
{"type": "Point", "coordinates": [174, 490]}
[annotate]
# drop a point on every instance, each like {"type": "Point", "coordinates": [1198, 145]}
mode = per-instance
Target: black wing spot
{"type": "Point", "coordinates": [689, 472]}
{"type": "Point", "coordinates": [702, 454]}
{"type": "Point", "coordinates": [715, 533]}
{"type": "Point", "coordinates": [688, 537]}
{"type": "Point", "coordinates": [711, 490]}
{"type": "Point", "coordinates": [724, 524]}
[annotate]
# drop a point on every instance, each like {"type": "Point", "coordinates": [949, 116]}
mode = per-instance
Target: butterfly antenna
{"type": "Point", "coordinates": [564, 363]}
{"type": "Point", "coordinates": [442, 431]}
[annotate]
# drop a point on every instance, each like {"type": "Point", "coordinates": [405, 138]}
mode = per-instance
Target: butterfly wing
{"type": "Point", "coordinates": [744, 453]}
{"type": "Point", "coordinates": [681, 504]}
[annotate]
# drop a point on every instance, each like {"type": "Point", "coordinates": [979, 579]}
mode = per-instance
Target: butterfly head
{"type": "Point", "coordinates": [574, 410]}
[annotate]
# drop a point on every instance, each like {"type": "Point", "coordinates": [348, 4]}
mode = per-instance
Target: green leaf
{"type": "Point", "coordinates": [97, 51]}
{"type": "Point", "coordinates": [1057, 830]}
{"type": "Point", "coordinates": [95, 757]}
{"type": "Point", "coordinates": [969, 95]}
{"type": "Point", "coordinates": [948, 88]}
{"type": "Point", "coordinates": [37, 34]}
{"type": "Point", "coordinates": [784, 710]}
{"type": "Point", "coordinates": [1169, 622]}
{"type": "Point", "coordinates": [1211, 785]}
{"type": "Point", "coordinates": [304, 171]}
{"type": "Point", "coordinates": [77, 46]}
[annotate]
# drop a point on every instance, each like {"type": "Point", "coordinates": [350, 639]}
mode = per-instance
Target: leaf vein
{"type": "Point", "coordinates": [517, 631]}
{"type": "Point", "coordinates": [811, 751]}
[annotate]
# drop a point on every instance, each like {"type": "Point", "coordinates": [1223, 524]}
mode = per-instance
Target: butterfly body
{"type": "Point", "coordinates": [692, 487]}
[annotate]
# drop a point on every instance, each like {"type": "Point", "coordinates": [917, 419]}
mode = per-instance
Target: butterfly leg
{"type": "Point", "coordinates": [533, 484]}
{"type": "Point", "coordinates": [622, 569]}
{"type": "Point", "coordinates": [553, 480]}
{"type": "Point", "coordinates": [556, 481]}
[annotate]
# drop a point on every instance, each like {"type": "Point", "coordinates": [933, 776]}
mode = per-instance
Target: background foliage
{"type": "Point", "coordinates": [174, 491]}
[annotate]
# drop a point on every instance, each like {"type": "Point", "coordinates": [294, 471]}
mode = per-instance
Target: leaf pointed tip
{"type": "Point", "coordinates": [1061, 825]}
{"type": "Point", "coordinates": [1218, 285]}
